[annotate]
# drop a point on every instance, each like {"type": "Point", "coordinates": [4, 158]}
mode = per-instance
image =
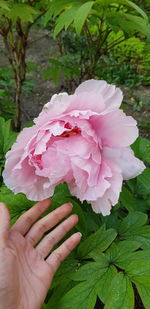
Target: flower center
{"type": "Point", "coordinates": [73, 131]}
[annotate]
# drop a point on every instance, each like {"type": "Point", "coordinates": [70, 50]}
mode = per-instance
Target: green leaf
{"type": "Point", "coordinates": [143, 182]}
{"type": "Point", "coordinates": [82, 15]}
{"type": "Point", "coordinates": [135, 7]}
{"type": "Point", "coordinates": [141, 235]}
{"type": "Point", "coordinates": [65, 19]}
{"type": "Point", "coordinates": [141, 148]}
{"type": "Point", "coordinates": [81, 296]}
{"type": "Point", "coordinates": [55, 8]}
{"type": "Point", "coordinates": [120, 252]}
{"type": "Point", "coordinates": [128, 23]}
{"type": "Point", "coordinates": [17, 204]}
{"type": "Point", "coordinates": [93, 270]}
{"type": "Point", "coordinates": [58, 292]}
{"type": "Point", "coordinates": [100, 240]}
{"type": "Point", "coordinates": [138, 265]}
{"type": "Point", "coordinates": [8, 136]}
{"type": "Point", "coordinates": [23, 11]}
{"type": "Point", "coordinates": [66, 270]}
{"type": "Point", "coordinates": [105, 281]}
{"type": "Point", "coordinates": [127, 199]}
{"type": "Point", "coordinates": [131, 222]}
{"type": "Point", "coordinates": [144, 293]}
{"type": "Point", "coordinates": [4, 5]}
{"type": "Point", "coordinates": [120, 294]}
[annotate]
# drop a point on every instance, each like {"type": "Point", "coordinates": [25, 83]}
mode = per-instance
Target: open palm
{"type": "Point", "coordinates": [26, 271]}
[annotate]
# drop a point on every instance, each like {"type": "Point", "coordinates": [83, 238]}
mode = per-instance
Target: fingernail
{"type": "Point", "coordinates": [71, 205]}
{"type": "Point", "coordinates": [80, 234]}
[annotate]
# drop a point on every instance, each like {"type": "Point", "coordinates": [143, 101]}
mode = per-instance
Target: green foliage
{"type": "Point", "coordinates": [7, 138]}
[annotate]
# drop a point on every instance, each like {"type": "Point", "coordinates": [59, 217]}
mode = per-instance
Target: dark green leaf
{"type": "Point", "coordinates": [81, 296]}
{"type": "Point", "coordinates": [100, 240]}
{"type": "Point", "coordinates": [127, 199]}
{"type": "Point", "coordinates": [143, 182]}
{"type": "Point", "coordinates": [131, 222]}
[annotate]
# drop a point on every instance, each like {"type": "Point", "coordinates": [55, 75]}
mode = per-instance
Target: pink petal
{"type": "Point", "coordinates": [125, 159]}
{"type": "Point", "coordinates": [115, 129]}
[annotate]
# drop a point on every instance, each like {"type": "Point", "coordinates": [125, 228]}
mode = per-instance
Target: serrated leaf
{"type": "Point", "coordinates": [82, 15]}
{"type": "Point", "coordinates": [65, 19]}
{"type": "Point", "coordinates": [120, 294]}
{"type": "Point", "coordinates": [100, 240]}
{"type": "Point", "coordinates": [23, 11]}
{"type": "Point", "coordinates": [55, 8]}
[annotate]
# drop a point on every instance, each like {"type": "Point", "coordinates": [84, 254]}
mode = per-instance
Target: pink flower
{"type": "Point", "coordinates": [83, 139]}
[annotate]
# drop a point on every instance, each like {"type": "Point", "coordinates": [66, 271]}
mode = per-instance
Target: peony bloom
{"type": "Point", "coordinates": [83, 139]}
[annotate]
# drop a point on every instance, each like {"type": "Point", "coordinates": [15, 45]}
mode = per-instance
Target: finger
{"type": "Point", "coordinates": [60, 254]}
{"type": "Point", "coordinates": [25, 222]}
{"type": "Point", "coordinates": [45, 224]}
{"type": "Point", "coordinates": [49, 241]}
{"type": "Point", "coordinates": [4, 223]}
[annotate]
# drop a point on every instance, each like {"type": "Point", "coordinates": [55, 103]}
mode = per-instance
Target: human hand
{"type": "Point", "coordinates": [26, 271]}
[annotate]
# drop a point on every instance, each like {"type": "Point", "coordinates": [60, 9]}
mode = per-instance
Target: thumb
{"type": "Point", "coordinates": [4, 223]}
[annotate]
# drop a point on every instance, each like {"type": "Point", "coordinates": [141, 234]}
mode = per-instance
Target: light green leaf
{"type": "Point", "coordinates": [135, 7]}
{"type": "Point", "coordinates": [23, 11]}
{"type": "Point", "coordinates": [120, 294]}
{"type": "Point", "coordinates": [55, 8]}
{"type": "Point", "coordinates": [100, 240]}
{"type": "Point", "coordinates": [4, 5]}
{"type": "Point", "coordinates": [65, 19]}
{"type": "Point", "coordinates": [82, 15]}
